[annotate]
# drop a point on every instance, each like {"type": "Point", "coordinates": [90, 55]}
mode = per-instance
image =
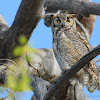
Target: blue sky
{"type": "Point", "coordinates": [42, 36]}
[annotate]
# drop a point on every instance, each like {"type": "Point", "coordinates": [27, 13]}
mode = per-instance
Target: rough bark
{"type": "Point", "coordinates": [40, 87]}
{"type": "Point", "coordinates": [81, 7]}
{"type": "Point", "coordinates": [27, 18]}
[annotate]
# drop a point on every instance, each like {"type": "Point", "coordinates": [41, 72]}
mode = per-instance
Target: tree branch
{"type": "Point", "coordinates": [27, 18]}
{"type": "Point", "coordinates": [3, 27]}
{"type": "Point", "coordinates": [84, 8]}
{"type": "Point", "coordinates": [40, 87]}
{"type": "Point", "coordinates": [83, 29]}
{"type": "Point", "coordinates": [64, 79]}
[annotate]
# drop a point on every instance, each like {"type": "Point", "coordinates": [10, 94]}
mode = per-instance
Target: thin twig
{"type": "Point", "coordinates": [10, 93]}
{"type": "Point", "coordinates": [11, 62]}
{"type": "Point", "coordinates": [97, 60]}
{"type": "Point", "coordinates": [83, 29]}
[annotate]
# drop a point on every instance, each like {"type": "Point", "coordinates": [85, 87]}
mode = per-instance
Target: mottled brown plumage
{"type": "Point", "coordinates": [69, 46]}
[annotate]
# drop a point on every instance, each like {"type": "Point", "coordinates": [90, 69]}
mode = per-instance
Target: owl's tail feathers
{"type": "Point", "coordinates": [93, 85]}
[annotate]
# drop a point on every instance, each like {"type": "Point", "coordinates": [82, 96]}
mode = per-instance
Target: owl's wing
{"type": "Point", "coordinates": [92, 64]}
{"type": "Point", "coordinates": [84, 40]}
{"type": "Point", "coordinates": [92, 68]}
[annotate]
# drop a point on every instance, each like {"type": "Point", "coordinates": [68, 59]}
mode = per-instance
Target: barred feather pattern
{"type": "Point", "coordinates": [70, 46]}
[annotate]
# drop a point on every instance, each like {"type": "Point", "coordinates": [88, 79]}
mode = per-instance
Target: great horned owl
{"type": "Point", "coordinates": [69, 46]}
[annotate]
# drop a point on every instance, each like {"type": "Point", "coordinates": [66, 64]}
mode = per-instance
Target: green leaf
{"type": "Point", "coordinates": [28, 58]}
{"type": "Point", "coordinates": [17, 51]}
{"type": "Point", "coordinates": [23, 40]}
{"type": "Point", "coordinates": [11, 82]}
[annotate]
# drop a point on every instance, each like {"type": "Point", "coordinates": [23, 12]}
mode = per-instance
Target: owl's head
{"type": "Point", "coordinates": [63, 20]}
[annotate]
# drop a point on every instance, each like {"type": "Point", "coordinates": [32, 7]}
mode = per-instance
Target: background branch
{"type": "Point", "coordinates": [81, 7]}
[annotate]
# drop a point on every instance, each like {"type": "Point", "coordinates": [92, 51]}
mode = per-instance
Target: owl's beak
{"type": "Point", "coordinates": [62, 25]}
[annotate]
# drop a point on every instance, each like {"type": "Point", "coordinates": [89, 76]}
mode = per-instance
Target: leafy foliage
{"type": "Point", "coordinates": [17, 78]}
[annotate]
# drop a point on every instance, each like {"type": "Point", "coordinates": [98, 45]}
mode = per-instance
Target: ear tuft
{"type": "Point", "coordinates": [55, 15]}
{"type": "Point", "coordinates": [73, 15]}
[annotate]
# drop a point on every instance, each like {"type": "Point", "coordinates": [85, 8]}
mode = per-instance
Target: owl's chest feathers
{"type": "Point", "coordinates": [68, 47]}
{"type": "Point", "coordinates": [60, 39]}
{"type": "Point", "coordinates": [66, 39]}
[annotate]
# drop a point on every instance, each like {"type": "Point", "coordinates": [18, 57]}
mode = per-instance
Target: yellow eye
{"type": "Point", "coordinates": [68, 21]}
{"type": "Point", "coordinates": [59, 21]}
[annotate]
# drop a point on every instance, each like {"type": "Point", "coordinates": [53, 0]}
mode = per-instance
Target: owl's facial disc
{"type": "Point", "coordinates": [63, 20]}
